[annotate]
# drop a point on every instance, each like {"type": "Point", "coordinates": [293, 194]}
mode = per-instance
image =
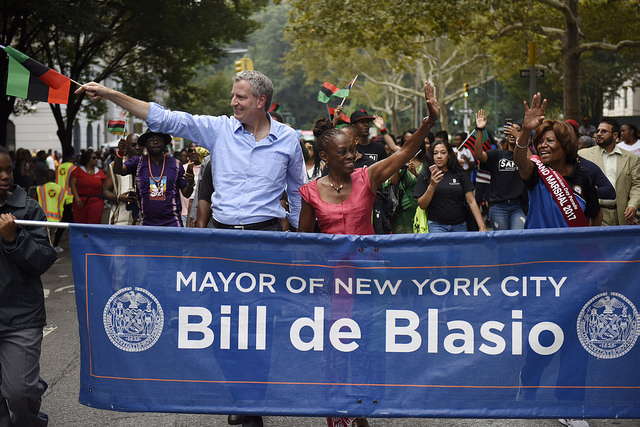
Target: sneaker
{"type": "Point", "coordinates": [573, 423]}
{"type": "Point", "coordinates": [58, 249]}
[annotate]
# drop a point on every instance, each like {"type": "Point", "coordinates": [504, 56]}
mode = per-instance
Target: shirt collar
{"type": "Point", "coordinates": [616, 150]}
{"type": "Point", "coordinates": [237, 125]}
{"type": "Point", "coordinates": [18, 197]}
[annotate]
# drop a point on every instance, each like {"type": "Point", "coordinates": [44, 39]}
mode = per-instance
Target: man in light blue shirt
{"type": "Point", "coordinates": [254, 157]}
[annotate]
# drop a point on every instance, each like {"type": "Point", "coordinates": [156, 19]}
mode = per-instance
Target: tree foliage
{"type": "Point", "coordinates": [462, 41]}
{"type": "Point", "coordinates": [394, 47]}
{"type": "Point", "coordinates": [143, 44]}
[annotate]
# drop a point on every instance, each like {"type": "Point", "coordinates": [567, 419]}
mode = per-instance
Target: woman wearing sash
{"type": "Point", "coordinates": [561, 192]}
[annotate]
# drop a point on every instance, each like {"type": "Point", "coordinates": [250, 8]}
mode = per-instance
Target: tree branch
{"type": "Point", "coordinates": [609, 46]}
{"type": "Point", "coordinates": [562, 7]}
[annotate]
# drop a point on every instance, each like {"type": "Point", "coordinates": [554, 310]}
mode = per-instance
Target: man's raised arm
{"type": "Point", "coordinates": [97, 91]}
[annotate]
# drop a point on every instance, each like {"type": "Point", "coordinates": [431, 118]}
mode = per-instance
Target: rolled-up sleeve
{"type": "Point", "coordinates": [200, 129]}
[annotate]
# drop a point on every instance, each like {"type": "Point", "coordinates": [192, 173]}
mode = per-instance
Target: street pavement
{"type": "Point", "coordinates": [60, 365]}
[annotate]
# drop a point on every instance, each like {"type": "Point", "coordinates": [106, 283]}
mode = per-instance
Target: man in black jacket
{"type": "Point", "coordinates": [25, 254]}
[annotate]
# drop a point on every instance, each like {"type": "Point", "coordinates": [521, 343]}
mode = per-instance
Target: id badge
{"type": "Point", "coordinates": [158, 190]}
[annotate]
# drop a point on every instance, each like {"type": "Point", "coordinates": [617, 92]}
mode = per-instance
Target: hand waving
{"type": "Point", "coordinates": [432, 102]}
{"type": "Point", "coordinates": [534, 116]}
{"type": "Point", "coordinates": [378, 121]}
{"type": "Point", "coordinates": [481, 119]}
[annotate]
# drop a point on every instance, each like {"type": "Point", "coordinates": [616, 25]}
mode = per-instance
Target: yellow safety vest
{"type": "Point", "coordinates": [63, 178]}
{"type": "Point", "coordinates": [51, 200]}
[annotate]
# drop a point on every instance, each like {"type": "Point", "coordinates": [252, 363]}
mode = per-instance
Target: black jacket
{"type": "Point", "coordinates": [22, 262]}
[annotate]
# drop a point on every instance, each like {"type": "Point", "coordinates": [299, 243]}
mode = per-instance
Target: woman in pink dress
{"type": "Point", "coordinates": [343, 200]}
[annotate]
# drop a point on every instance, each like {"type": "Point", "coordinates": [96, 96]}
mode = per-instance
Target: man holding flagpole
{"type": "Point", "coordinates": [254, 158]}
{"type": "Point", "coordinates": [262, 157]}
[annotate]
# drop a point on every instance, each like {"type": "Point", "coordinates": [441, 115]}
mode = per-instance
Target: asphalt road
{"type": "Point", "coordinates": [60, 365]}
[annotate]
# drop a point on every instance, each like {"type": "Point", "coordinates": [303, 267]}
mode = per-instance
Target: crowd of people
{"type": "Point", "coordinates": [250, 171]}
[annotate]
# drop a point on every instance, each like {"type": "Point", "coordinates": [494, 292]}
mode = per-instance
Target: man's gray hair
{"type": "Point", "coordinates": [260, 84]}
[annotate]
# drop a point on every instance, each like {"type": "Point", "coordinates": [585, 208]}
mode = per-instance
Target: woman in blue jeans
{"type": "Point", "coordinates": [445, 189]}
{"type": "Point", "coordinates": [508, 195]}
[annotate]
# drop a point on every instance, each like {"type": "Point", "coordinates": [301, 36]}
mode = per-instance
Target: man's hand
{"type": "Point", "coordinates": [630, 214]}
{"type": "Point", "coordinates": [94, 90]}
{"type": "Point", "coordinates": [378, 121]}
{"type": "Point", "coordinates": [511, 131]}
{"type": "Point", "coordinates": [122, 146]}
{"type": "Point", "coordinates": [8, 227]}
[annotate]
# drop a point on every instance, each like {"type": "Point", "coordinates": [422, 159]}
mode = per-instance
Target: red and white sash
{"type": "Point", "coordinates": [562, 195]}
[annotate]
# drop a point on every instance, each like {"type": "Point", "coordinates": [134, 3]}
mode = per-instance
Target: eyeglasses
{"type": "Point", "coordinates": [93, 158]}
{"type": "Point", "coordinates": [603, 131]}
{"type": "Point", "coordinates": [191, 150]}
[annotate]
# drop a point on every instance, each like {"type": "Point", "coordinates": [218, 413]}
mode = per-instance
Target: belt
{"type": "Point", "coordinates": [255, 226]}
{"type": "Point", "coordinates": [612, 207]}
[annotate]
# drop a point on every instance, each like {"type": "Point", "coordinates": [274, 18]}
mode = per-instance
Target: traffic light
{"type": "Point", "coordinates": [466, 90]}
{"type": "Point", "coordinates": [243, 64]}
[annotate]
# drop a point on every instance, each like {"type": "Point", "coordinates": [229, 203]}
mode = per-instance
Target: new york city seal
{"type": "Point", "coordinates": [133, 319]}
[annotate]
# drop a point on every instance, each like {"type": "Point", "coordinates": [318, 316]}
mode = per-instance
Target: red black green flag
{"type": "Point", "coordinates": [470, 143]}
{"type": "Point", "coordinates": [328, 91]}
{"type": "Point", "coordinates": [29, 79]}
{"type": "Point", "coordinates": [344, 119]}
{"type": "Point", "coordinates": [116, 126]}
{"type": "Point", "coordinates": [275, 108]}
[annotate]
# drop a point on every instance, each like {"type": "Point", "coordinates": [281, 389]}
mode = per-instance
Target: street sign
{"type": "Point", "coordinates": [525, 74]}
{"type": "Point", "coordinates": [465, 111]}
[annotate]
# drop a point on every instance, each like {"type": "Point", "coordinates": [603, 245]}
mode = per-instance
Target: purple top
{"type": "Point", "coordinates": [158, 191]}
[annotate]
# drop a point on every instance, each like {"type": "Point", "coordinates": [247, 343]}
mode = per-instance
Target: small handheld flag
{"type": "Point", "coordinates": [29, 79]}
{"type": "Point", "coordinates": [329, 91]}
{"type": "Point", "coordinates": [470, 143]}
{"type": "Point", "coordinates": [275, 108]}
{"type": "Point", "coordinates": [116, 126]}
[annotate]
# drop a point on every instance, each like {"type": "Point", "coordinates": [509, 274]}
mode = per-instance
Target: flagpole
{"type": "Point", "coordinates": [470, 135]}
{"type": "Point", "coordinates": [354, 82]}
{"type": "Point", "coordinates": [32, 223]}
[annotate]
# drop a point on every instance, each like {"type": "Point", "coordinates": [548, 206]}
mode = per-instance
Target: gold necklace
{"type": "Point", "coordinates": [332, 186]}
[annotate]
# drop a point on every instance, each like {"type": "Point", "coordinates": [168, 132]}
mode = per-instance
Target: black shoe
{"type": "Point", "coordinates": [252, 421]}
{"type": "Point", "coordinates": [235, 420]}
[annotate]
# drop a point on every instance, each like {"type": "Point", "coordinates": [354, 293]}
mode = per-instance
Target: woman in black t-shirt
{"type": "Point", "coordinates": [444, 188]}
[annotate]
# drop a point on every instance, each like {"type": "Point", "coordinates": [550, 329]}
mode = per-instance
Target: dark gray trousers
{"type": "Point", "coordinates": [21, 387]}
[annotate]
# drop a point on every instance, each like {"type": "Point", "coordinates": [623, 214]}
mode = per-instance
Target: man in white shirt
{"type": "Point", "coordinates": [622, 168]}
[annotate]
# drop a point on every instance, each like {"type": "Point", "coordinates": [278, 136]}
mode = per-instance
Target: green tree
{"type": "Point", "coordinates": [394, 46]}
{"type": "Point", "coordinates": [406, 33]}
{"type": "Point", "coordinates": [566, 32]}
{"type": "Point", "coordinates": [268, 49]}
{"type": "Point", "coordinates": [144, 44]}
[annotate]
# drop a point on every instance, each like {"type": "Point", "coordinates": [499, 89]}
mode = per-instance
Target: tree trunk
{"type": "Point", "coordinates": [570, 49]}
{"type": "Point", "coordinates": [65, 124]}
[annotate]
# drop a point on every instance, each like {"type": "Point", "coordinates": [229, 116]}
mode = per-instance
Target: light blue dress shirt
{"type": "Point", "coordinates": [249, 176]}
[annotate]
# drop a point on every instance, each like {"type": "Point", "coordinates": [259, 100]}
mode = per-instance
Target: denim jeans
{"type": "Point", "coordinates": [507, 215]}
{"type": "Point", "coordinates": [435, 227]}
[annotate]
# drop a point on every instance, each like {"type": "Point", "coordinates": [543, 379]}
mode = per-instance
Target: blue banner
{"type": "Point", "coordinates": [512, 324]}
